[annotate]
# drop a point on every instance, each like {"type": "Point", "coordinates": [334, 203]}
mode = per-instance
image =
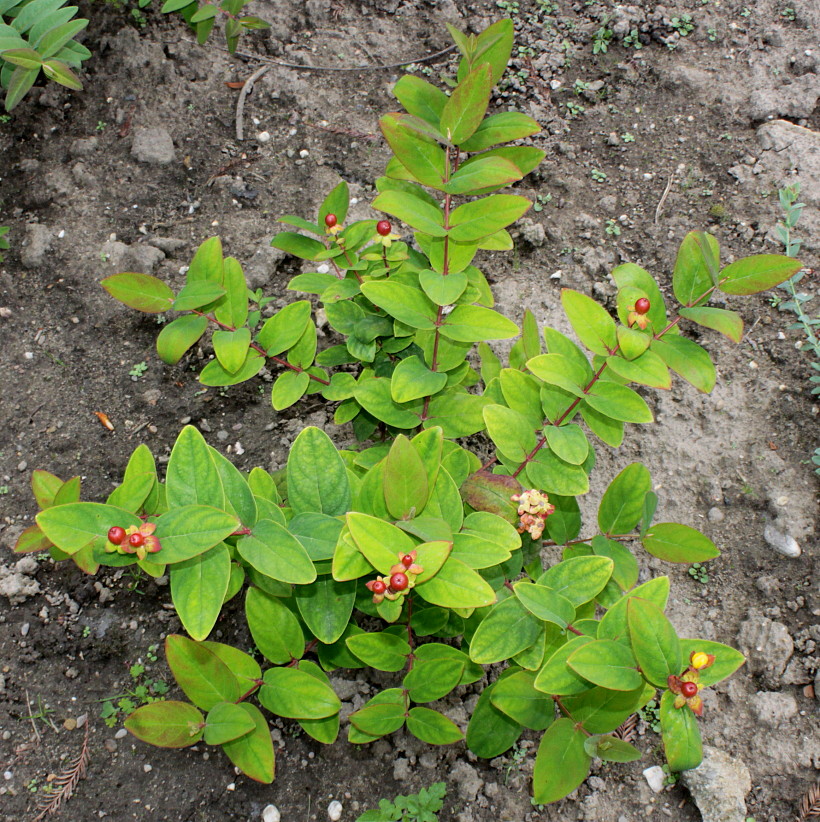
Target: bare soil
{"type": "Point", "coordinates": [646, 141]}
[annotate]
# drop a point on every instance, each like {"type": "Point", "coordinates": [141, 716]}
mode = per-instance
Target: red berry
{"type": "Point", "coordinates": [135, 540]}
{"type": "Point", "coordinates": [383, 227]}
{"type": "Point", "coordinates": [377, 586]}
{"type": "Point", "coordinates": [407, 560]}
{"type": "Point", "coordinates": [330, 220]}
{"type": "Point", "coordinates": [116, 535]}
{"type": "Point", "coordinates": [689, 689]}
{"type": "Point", "coordinates": [642, 306]}
{"type": "Point", "coordinates": [399, 581]}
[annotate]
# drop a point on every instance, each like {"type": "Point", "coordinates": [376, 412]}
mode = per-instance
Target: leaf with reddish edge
{"type": "Point", "coordinates": [225, 722]}
{"type": "Point", "coordinates": [726, 322]}
{"type": "Point", "coordinates": [32, 539]}
{"type": "Point", "coordinates": [465, 109]}
{"type": "Point", "coordinates": [140, 291]}
{"type": "Point", "coordinates": [562, 762]}
{"type": "Point", "coordinates": [674, 542]}
{"type": "Point", "coordinates": [681, 735]}
{"type": "Point", "coordinates": [253, 753]}
{"type": "Point", "coordinates": [484, 491]}
{"type": "Point", "coordinates": [751, 275]}
{"type": "Point", "coordinates": [202, 675]}
{"type": "Point", "coordinates": [45, 487]}
{"type": "Point", "coordinates": [167, 724]}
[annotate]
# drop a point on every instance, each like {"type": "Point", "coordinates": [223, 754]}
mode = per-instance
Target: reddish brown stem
{"type": "Point", "coordinates": [256, 684]}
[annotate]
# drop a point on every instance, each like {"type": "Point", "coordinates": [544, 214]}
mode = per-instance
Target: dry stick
{"type": "Point", "coordinates": [31, 718]}
{"type": "Point", "coordinates": [666, 193]}
{"type": "Point", "coordinates": [240, 103]}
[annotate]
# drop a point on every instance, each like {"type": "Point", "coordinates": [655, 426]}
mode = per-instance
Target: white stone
{"type": "Point", "coordinates": [263, 137]}
{"type": "Point", "coordinates": [655, 777]}
{"type": "Point", "coordinates": [271, 814]}
{"type": "Point", "coordinates": [334, 810]}
{"type": "Point", "coordinates": [782, 543]}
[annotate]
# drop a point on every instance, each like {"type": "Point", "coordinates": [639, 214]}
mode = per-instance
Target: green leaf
{"type": "Point", "coordinates": [480, 218]}
{"type": "Point", "coordinates": [613, 749]}
{"type": "Point", "coordinates": [606, 663]}
{"type": "Point", "coordinates": [192, 478]}
{"type": "Point", "coordinates": [167, 724]}
{"type": "Point", "coordinates": [231, 348]}
{"type": "Point", "coordinates": [485, 172]}
{"type": "Point", "coordinates": [568, 442]}
{"type": "Point", "coordinates": [382, 651]}
{"type": "Point", "coordinates": [441, 289]}
{"type": "Point", "coordinates": [456, 586]}
{"type": "Point", "coordinates": [674, 542]}
{"type": "Point", "coordinates": [215, 375]}
{"type": "Point", "coordinates": [295, 694]}
{"type": "Point", "coordinates": [493, 46]}
{"type": "Point", "coordinates": [654, 641]}
{"type": "Point", "coordinates": [227, 721]}
{"type": "Point", "coordinates": [178, 336]}
{"type": "Point", "coordinates": [558, 369]}
{"type": "Point", "coordinates": [253, 753]}
{"type": "Point", "coordinates": [420, 98]}
{"type": "Point", "coordinates": [434, 678]}
{"type": "Point", "coordinates": [198, 587]}
{"type": "Point", "coordinates": [419, 155]}
{"type": "Point", "coordinates": [590, 321]}
{"type": "Point", "coordinates": [474, 323]}
{"type": "Point", "coordinates": [613, 624]}
{"type": "Point", "coordinates": [551, 474]}
{"type": "Point", "coordinates": [283, 330]}
{"type": "Point", "coordinates": [647, 369]}
{"type": "Point", "coordinates": [726, 322]}
{"type": "Point", "coordinates": [621, 506]}
{"type": "Point", "coordinates": [233, 308]}
{"type": "Point", "coordinates": [203, 676]}
{"type": "Point", "coordinates": [561, 764]}
{"type": "Point", "coordinates": [510, 432]}
{"type": "Point", "coordinates": [317, 477]}
{"type": "Point", "coordinates": [751, 275]}
{"type": "Point", "coordinates": [337, 203]}
{"type": "Point", "coordinates": [618, 402]}
{"type": "Point", "coordinates": [275, 630]}
{"type": "Point", "coordinates": [492, 492]}
{"type": "Point", "coordinates": [192, 530]}
{"type": "Point", "coordinates": [457, 414]}
{"type": "Point", "coordinates": [412, 380]}
{"type": "Point", "coordinates": [407, 304]}
{"type": "Point", "coordinates": [415, 212]}
{"type": "Point", "coordinates": [375, 397]}
{"type": "Point", "coordinates": [490, 731]}
{"type": "Point", "coordinates": [681, 735]}
{"type": "Point", "coordinates": [318, 533]}
{"type": "Point", "coordinates": [485, 540]}
{"type": "Point", "coordinates": [727, 659]}
{"type": "Point", "coordinates": [379, 719]}
{"type": "Point", "coordinates": [239, 497]}
{"type": "Point", "coordinates": [467, 105]}
{"type": "Point", "coordinates": [289, 388]}
{"type": "Point", "coordinates": [432, 727]}
{"type": "Point", "coordinates": [140, 291]}
{"type": "Point", "coordinates": [306, 248]}
{"type": "Point", "coordinates": [405, 480]}
{"type": "Point", "coordinates": [508, 629]}
{"type": "Point", "coordinates": [207, 265]}
{"type": "Point", "coordinates": [688, 359]}
{"type": "Point", "coordinates": [556, 677]}
{"type": "Point", "coordinates": [696, 268]}
{"type": "Point", "coordinates": [242, 665]}
{"type": "Point", "coordinates": [517, 697]}
{"type": "Point", "coordinates": [326, 607]}
{"type": "Point", "coordinates": [73, 526]}
{"type": "Point", "coordinates": [19, 84]}
{"type": "Point", "coordinates": [625, 573]}
{"type": "Point", "coordinates": [602, 711]}
{"type": "Point", "coordinates": [545, 603]}
{"type": "Point", "coordinates": [579, 579]}
{"type": "Point", "coordinates": [503, 127]}
{"type": "Point", "coordinates": [276, 553]}
{"type": "Point", "coordinates": [379, 541]}
{"type": "Point", "coordinates": [26, 58]}
{"type": "Point", "coordinates": [197, 295]}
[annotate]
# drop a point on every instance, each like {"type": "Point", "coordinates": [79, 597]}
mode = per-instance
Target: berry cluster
{"type": "Point", "coordinates": [533, 507]}
{"type": "Point", "coordinates": [140, 541]}
{"type": "Point", "coordinates": [401, 579]}
{"type": "Point", "coordinates": [686, 687]}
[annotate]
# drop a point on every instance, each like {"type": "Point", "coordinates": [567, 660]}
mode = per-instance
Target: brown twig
{"type": "Point", "coordinates": [810, 804]}
{"type": "Point", "coordinates": [666, 192]}
{"type": "Point", "coordinates": [239, 161]}
{"type": "Point", "coordinates": [240, 103]}
{"type": "Point", "coordinates": [31, 718]}
{"type": "Point", "coordinates": [65, 783]}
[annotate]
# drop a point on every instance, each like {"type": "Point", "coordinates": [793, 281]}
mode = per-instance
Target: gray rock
{"type": "Point", "coordinates": [768, 646]}
{"type": "Point", "coordinates": [36, 245]}
{"type": "Point", "coordinates": [169, 245]}
{"type": "Point", "coordinates": [782, 543]}
{"type": "Point", "coordinates": [402, 772]}
{"type": "Point", "coordinates": [770, 586]}
{"type": "Point", "coordinates": [140, 257]}
{"type": "Point", "coordinates": [263, 265]}
{"type": "Point", "coordinates": [344, 688]}
{"type": "Point", "coordinates": [715, 515]}
{"type": "Point", "coordinates": [153, 145]}
{"type": "Point", "coordinates": [796, 99]}
{"type": "Point", "coordinates": [598, 262]}
{"type": "Point", "coordinates": [719, 786]}
{"type": "Point", "coordinates": [532, 232]}
{"type": "Point", "coordinates": [16, 586]}
{"type": "Point", "coordinates": [773, 708]}
{"type": "Point", "coordinates": [83, 146]}
{"type": "Point", "coordinates": [467, 779]}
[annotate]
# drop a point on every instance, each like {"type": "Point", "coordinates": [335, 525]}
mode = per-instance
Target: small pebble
{"type": "Point", "coordinates": [25, 628]}
{"type": "Point", "coordinates": [304, 153]}
{"type": "Point", "coordinates": [271, 814]}
{"type": "Point", "coordinates": [70, 724]}
{"type": "Point", "coordinates": [263, 137]}
{"type": "Point", "coordinates": [231, 786]}
{"type": "Point", "coordinates": [121, 733]}
{"type": "Point", "coordinates": [655, 778]}
{"type": "Point", "coordinates": [7, 775]}
{"type": "Point", "coordinates": [334, 810]}
{"type": "Point", "coordinates": [716, 515]}
{"type": "Point", "coordinates": [22, 466]}
{"type": "Point", "coordinates": [147, 768]}
{"type": "Point", "coordinates": [110, 745]}
{"type": "Point", "coordinates": [782, 543]}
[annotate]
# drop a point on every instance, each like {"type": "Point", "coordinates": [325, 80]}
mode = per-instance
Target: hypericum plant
{"type": "Point", "coordinates": [414, 533]}
{"type": "Point", "coordinates": [38, 35]}
{"type": "Point", "coordinates": [202, 17]}
{"type": "Point", "coordinates": [4, 243]}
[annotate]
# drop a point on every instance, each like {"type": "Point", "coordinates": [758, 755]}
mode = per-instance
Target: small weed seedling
{"type": "Point", "coordinates": [540, 201]}
{"type": "Point", "coordinates": [421, 807]}
{"type": "Point", "coordinates": [574, 109]}
{"type": "Point", "coordinates": [612, 228]}
{"type": "Point", "coordinates": [138, 370]}
{"type": "Point", "coordinates": [698, 573]}
{"type": "Point", "coordinates": [683, 25]}
{"type": "Point", "coordinates": [598, 175]}
{"type": "Point", "coordinates": [602, 38]}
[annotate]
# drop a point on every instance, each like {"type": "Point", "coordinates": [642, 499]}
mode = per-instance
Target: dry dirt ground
{"type": "Point", "coordinates": [716, 120]}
